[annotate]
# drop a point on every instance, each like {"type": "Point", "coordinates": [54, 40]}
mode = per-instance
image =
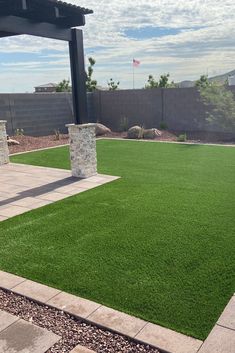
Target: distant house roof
{"type": "Point", "coordinates": [47, 85]}
{"type": "Point", "coordinates": [51, 11]}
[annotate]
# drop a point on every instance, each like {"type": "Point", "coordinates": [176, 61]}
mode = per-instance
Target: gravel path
{"type": "Point", "coordinates": [72, 330]}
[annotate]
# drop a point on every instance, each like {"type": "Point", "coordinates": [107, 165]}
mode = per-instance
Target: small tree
{"type": "Point", "coordinates": [203, 82]}
{"type": "Point", "coordinates": [91, 84]}
{"type": "Point", "coordinates": [221, 105]}
{"type": "Point", "coordinates": [152, 83]}
{"type": "Point", "coordinates": [112, 85]}
{"type": "Point", "coordinates": [63, 86]}
{"type": "Point", "coordinates": [162, 83]}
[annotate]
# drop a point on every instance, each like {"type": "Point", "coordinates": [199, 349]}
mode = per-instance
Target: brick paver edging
{"type": "Point", "coordinates": [221, 339]}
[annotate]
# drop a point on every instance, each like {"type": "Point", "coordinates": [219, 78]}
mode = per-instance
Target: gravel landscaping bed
{"type": "Point", "coordinates": [72, 330]}
{"type": "Point", "coordinates": [30, 143]}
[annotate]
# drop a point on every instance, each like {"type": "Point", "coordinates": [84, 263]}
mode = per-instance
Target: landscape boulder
{"type": "Point", "coordinates": [12, 142]}
{"type": "Point", "coordinates": [101, 129]}
{"type": "Point", "coordinates": [151, 133]}
{"type": "Point", "coordinates": [135, 132]}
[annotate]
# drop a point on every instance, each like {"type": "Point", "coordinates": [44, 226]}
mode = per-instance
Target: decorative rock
{"type": "Point", "coordinates": [151, 133]}
{"type": "Point", "coordinates": [101, 129]}
{"type": "Point", "coordinates": [135, 132]}
{"type": "Point", "coordinates": [12, 142]}
{"type": "Point", "coordinates": [4, 152]}
{"type": "Point", "coordinates": [83, 150]}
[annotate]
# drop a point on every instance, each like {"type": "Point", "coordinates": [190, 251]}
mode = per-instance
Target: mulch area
{"type": "Point", "coordinates": [72, 331]}
{"type": "Point", "coordinates": [29, 143]}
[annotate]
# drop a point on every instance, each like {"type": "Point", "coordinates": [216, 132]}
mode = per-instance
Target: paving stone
{"type": "Point", "coordinates": [12, 211]}
{"type": "Point", "coordinates": [81, 349]}
{"type": "Point", "coordinates": [24, 188]}
{"type": "Point", "coordinates": [6, 320]}
{"type": "Point", "coordinates": [36, 291]}
{"type": "Point", "coordinates": [2, 218]}
{"type": "Point", "coordinates": [73, 304]}
{"type": "Point", "coordinates": [52, 196]}
{"type": "Point", "coordinates": [227, 318]}
{"type": "Point", "coordinates": [220, 340]}
{"type": "Point", "coordinates": [23, 337]}
{"type": "Point", "coordinates": [117, 321]}
{"type": "Point", "coordinates": [26, 202]}
{"type": "Point", "coordinates": [8, 281]}
{"type": "Point", "coordinates": [168, 340]}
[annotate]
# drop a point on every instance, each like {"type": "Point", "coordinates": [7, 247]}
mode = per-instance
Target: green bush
{"type": "Point", "coordinates": [182, 138]}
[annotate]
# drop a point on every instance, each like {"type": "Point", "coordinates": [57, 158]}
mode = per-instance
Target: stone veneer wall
{"type": "Point", "coordinates": [83, 150]}
{"type": "Point", "coordinates": [4, 152]}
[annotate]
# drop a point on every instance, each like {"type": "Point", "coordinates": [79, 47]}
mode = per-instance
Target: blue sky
{"type": "Point", "coordinates": [184, 38]}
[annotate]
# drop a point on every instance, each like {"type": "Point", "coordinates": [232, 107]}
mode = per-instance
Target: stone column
{"type": "Point", "coordinates": [4, 152]}
{"type": "Point", "coordinates": [83, 150]}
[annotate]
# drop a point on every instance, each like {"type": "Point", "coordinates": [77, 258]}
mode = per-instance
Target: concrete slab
{"type": "Point", "coordinates": [24, 187]}
{"type": "Point", "coordinates": [36, 291]}
{"type": "Point", "coordinates": [117, 321]}
{"type": "Point", "coordinates": [220, 340]}
{"type": "Point", "coordinates": [227, 319]}
{"type": "Point", "coordinates": [6, 320]}
{"type": "Point", "coordinates": [73, 304]}
{"type": "Point", "coordinates": [168, 340]}
{"type": "Point", "coordinates": [23, 337]}
{"type": "Point", "coordinates": [81, 349]}
{"type": "Point", "coordinates": [8, 280]}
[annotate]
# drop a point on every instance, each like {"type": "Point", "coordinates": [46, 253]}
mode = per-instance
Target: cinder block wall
{"type": "Point", "coordinates": [37, 114]}
{"type": "Point", "coordinates": [180, 108]}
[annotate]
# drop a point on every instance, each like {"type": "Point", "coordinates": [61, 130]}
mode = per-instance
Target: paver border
{"type": "Point", "coordinates": [110, 319]}
{"type": "Point", "coordinates": [159, 337]}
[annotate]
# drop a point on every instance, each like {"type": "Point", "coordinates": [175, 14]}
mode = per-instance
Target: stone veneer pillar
{"type": "Point", "coordinates": [4, 152]}
{"type": "Point", "coordinates": [83, 150]}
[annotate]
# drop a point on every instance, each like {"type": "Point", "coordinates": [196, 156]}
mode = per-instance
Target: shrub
{"type": "Point", "coordinates": [182, 138]}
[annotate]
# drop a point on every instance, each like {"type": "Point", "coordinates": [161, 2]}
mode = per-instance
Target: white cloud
{"type": "Point", "coordinates": [206, 44]}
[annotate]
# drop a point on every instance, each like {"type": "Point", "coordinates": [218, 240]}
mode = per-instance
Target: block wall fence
{"type": "Point", "coordinates": [180, 108]}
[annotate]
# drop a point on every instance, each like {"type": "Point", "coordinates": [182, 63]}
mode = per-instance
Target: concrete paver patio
{"type": "Point", "coordinates": [20, 336]}
{"type": "Point", "coordinates": [25, 187]}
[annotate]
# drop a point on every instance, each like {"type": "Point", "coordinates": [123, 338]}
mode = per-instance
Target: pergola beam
{"type": "Point", "coordinates": [18, 25]}
{"type": "Point", "coordinates": [6, 34]}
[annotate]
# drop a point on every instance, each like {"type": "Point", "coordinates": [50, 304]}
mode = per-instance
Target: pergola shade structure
{"type": "Point", "coordinates": [55, 20]}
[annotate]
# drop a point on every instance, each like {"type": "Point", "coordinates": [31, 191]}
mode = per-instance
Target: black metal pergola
{"type": "Point", "coordinates": [55, 20]}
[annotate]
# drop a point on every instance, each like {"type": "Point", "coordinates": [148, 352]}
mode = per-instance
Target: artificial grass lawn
{"type": "Point", "coordinates": [159, 243]}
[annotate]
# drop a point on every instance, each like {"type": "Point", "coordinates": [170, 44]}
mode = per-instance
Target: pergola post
{"type": "Point", "coordinates": [78, 77]}
{"type": "Point", "coordinates": [4, 152]}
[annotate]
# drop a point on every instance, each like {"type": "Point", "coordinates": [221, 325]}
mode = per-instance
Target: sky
{"type": "Point", "coordinates": [183, 38]}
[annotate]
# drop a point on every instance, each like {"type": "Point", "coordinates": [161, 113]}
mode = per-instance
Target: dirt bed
{"type": "Point", "coordinates": [29, 143]}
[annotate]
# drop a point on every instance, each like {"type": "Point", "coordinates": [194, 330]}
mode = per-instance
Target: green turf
{"type": "Point", "coordinates": [159, 243]}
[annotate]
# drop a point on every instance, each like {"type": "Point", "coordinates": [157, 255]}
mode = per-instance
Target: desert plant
{"type": "Point", "coordinates": [112, 85]}
{"type": "Point", "coordinates": [57, 134]}
{"type": "Point", "coordinates": [63, 86]}
{"type": "Point", "coordinates": [221, 105]}
{"type": "Point", "coordinates": [182, 138]}
{"type": "Point", "coordinates": [162, 83]}
{"type": "Point", "coordinates": [19, 132]}
{"type": "Point", "coordinates": [91, 84]}
{"type": "Point", "coordinates": [124, 123]}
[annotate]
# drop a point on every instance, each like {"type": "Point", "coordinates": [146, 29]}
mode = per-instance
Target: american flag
{"type": "Point", "coordinates": [136, 63]}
